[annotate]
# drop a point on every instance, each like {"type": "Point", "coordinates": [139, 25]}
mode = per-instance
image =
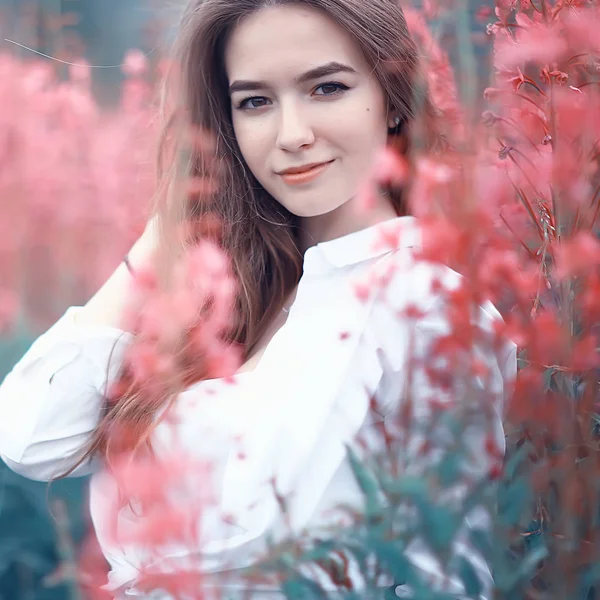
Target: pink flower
{"type": "Point", "coordinates": [390, 168]}
{"type": "Point", "coordinates": [169, 494]}
{"type": "Point", "coordinates": [577, 256]}
{"type": "Point", "coordinates": [135, 63]}
{"type": "Point", "coordinates": [581, 29]}
{"type": "Point", "coordinates": [537, 43]}
{"type": "Point", "coordinates": [188, 323]}
{"type": "Point", "coordinates": [81, 72]}
{"type": "Point", "coordinates": [438, 71]}
{"type": "Point", "coordinates": [442, 241]}
{"type": "Point", "coordinates": [502, 271]}
{"type": "Point", "coordinates": [200, 187]}
{"type": "Point", "coordinates": [429, 186]}
{"type": "Point", "coordinates": [148, 363]}
{"type": "Point", "coordinates": [585, 355]}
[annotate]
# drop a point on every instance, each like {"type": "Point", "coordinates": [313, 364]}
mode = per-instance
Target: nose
{"type": "Point", "coordinates": [295, 130]}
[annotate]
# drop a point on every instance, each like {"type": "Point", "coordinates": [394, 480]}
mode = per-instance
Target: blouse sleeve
{"type": "Point", "coordinates": [50, 403]}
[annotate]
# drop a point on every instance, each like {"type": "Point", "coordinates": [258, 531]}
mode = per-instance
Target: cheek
{"type": "Point", "coordinates": [364, 139]}
{"type": "Point", "coordinates": [253, 140]}
{"type": "Point", "coordinates": [363, 126]}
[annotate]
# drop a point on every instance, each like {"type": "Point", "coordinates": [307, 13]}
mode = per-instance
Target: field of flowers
{"type": "Point", "coordinates": [509, 197]}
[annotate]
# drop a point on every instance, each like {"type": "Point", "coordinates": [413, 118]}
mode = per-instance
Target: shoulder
{"type": "Point", "coordinates": [412, 297]}
{"type": "Point", "coordinates": [402, 292]}
{"type": "Point", "coordinates": [424, 330]}
{"type": "Point", "coordinates": [400, 281]}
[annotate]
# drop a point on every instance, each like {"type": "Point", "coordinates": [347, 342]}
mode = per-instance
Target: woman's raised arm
{"type": "Point", "coordinates": [107, 305]}
{"type": "Point", "coordinates": [51, 401]}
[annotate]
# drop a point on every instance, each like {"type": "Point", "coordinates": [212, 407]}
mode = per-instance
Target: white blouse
{"type": "Point", "coordinates": [290, 419]}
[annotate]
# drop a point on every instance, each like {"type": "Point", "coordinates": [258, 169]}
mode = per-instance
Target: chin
{"type": "Point", "coordinates": [312, 209]}
{"type": "Point", "coordinates": [306, 213]}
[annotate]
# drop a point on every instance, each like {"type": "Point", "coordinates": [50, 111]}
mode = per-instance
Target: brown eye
{"type": "Point", "coordinates": [332, 88]}
{"type": "Point", "coordinates": [253, 102]}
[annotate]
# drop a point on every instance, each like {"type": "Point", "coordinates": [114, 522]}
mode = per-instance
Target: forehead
{"type": "Point", "coordinates": [285, 41]}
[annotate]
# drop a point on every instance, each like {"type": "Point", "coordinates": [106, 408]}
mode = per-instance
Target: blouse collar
{"type": "Point", "coordinates": [363, 245]}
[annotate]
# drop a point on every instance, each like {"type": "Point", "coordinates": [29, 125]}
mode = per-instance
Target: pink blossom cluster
{"type": "Point", "coordinates": [76, 183]}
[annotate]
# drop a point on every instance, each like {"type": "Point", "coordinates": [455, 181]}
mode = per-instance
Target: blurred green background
{"type": "Point", "coordinates": [29, 553]}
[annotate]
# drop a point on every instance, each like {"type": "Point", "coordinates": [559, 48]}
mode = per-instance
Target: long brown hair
{"type": "Point", "coordinates": [258, 233]}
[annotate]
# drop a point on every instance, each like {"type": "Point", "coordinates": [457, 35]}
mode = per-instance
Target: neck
{"type": "Point", "coordinates": [345, 219]}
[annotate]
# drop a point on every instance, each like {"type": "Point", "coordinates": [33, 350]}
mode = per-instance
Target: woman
{"type": "Point", "coordinates": [300, 97]}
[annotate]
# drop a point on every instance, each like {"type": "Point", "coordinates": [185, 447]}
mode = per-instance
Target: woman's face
{"type": "Point", "coordinates": [302, 93]}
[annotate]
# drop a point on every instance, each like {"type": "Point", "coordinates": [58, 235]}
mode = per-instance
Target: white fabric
{"type": "Point", "coordinates": [308, 397]}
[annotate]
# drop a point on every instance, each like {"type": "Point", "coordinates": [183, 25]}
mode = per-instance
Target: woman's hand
{"type": "Point", "coordinates": [145, 246]}
{"type": "Point", "coordinates": [108, 304]}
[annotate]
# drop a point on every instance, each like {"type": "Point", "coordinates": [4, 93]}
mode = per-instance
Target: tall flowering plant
{"type": "Point", "coordinates": [520, 200]}
{"type": "Point", "coordinates": [545, 121]}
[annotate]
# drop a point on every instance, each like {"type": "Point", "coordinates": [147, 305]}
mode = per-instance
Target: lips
{"type": "Point", "coordinates": [304, 174]}
{"type": "Point", "coordinates": [303, 168]}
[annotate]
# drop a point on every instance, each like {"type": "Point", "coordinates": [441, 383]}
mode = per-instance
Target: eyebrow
{"type": "Point", "coordinates": [322, 71]}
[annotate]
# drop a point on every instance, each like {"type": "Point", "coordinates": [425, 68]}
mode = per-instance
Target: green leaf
{"type": "Point", "coordinates": [439, 525]}
{"type": "Point", "coordinates": [391, 555]}
{"type": "Point", "coordinates": [517, 459]}
{"type": "Point", "coordinates": [591, 576]}
{"type": "Point", "coordinates": [469, 578]}
{"type": "Point", "coordinates": [531, 561]}
{"type": "Point", "coordinates": [548, 374]}
{"type": "Point", "coordinates": [302, 588]}
{"type": "Point", "coordinates": [368, 485]}
{"type": "Point", "coordinates": [480, 538]}
{"type": "Point", "coordinates": [407, 486]}
{"type": "Point", "coordinates": [515, 502]}
{"type": "Point", "coordinates": [524, 571]}
{"type": "Point", "coordinates": [449, 468]}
